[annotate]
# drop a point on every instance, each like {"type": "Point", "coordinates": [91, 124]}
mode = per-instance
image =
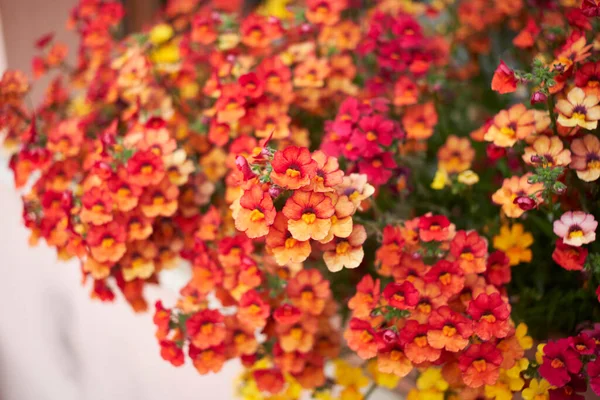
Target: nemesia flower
{"type": "Point", "coordinates": [366, 297]}
{"type": "Point", "coordinates": [593, 371]}
{"type": "Point", "coordinates": [470, 250]}
{"type": "Point", "coordinates": [256, 213]}
{"type": "Point", "coordinates": [512, 188]}
{"type": "Point", "coordinates": [293, 168]}
{"type": "Point", "coordinates": [504, 80]}
{"type": "Point", "coordinates": [586, 158]}
{"type": "Point", "coordinates": [253, 310]}
{"type": "Point", "coordinates": [587, 77]}
{"type": "Point", "coordinates": [456, 155]}
{"type": "Point", "coordinates": [360, 337]}
{"type": "Point", "coordinates": [498, 271]}
{"type": "Point", "coordinates": [551, 149]}
{"type": "Point", "coordinates": [511, 125]}
{"type": "Point", "coordinates": [308, 291]}
{"type": "Point", "coordinates": [345, 252]}
{"type": "Point", "coordinates": [207, 360]}
{"type": "Point", "coordinates": [559, 361]}
{"type": "Point", "coordinates": [448, 275]}
{"type": "Point", "coordinates": [324, 11]}
{"type": "Point", "coordinates": [435, 228]}
{"type": "Point", "coordinates": [569, 257]}
{"type": "Point", "coordinates": [480, 365]}
{"type": "Point", "coordinates": [308, 215]}
{"type": "Point", "coordinates": [515, 243]}
{"type": "Point", "coordinates": [403, 295]}
{"type": "Point", "coordinates": [576, 228]}
{"type": "Point", "coordinates": [206, 329]}
{"type": "Point", "coordinates": [490, 315]}
{"type": "Point", "coordinates": [285, 248]}
{"type": "Point", "coordinates": [328, 175]}
{"type": "Point", "coordinates": [419, 121]}
{"type": "Point", "coordinates": [575, 389]}
{"type": "Point", "coordinates": [578, 109]}
{"type": "Point", "coordinates": [448, 330]}
{"type": "Point", "coordinates": [537, 390]}
{"type": "Point", "coordinates": [418, 349]}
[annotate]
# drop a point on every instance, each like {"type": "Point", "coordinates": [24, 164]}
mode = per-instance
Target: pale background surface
{"type": "Point", "coordinates": [56, 343]}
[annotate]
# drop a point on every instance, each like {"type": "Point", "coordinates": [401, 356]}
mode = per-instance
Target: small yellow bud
{"type": "Point", "coordinates": [468, 177]}
{"type": "Point", "coordinates": [160, 34]}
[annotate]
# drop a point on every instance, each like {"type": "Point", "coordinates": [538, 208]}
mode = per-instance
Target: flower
{"type": "Point", "coordinates": [559, 361]}
{"type": "Point", "coordinates": [512, 188]}
{"type": "Point", "coordinates": [470, 250]}
{"type": "Point", "coordinates": [537, 390]}
{"type": "Point", "coordinates": [435, 228]}
{"type": "Point", "coordinates": [206, 329]}
{"type": "Point", "coordinates": [308, 215]}
{"type": "Point", "coordinates": [490, 316]}
{"type": "Point", "coordinates": [345, 252]}
{"type": "Point", "coordinates": [586, 158]}
{"type": "Point", "coordinates": [456, 155]}
{"type": "Point", "coordinates": [284, 247]}
{"type": "Point", "coordinates": [468, 177]}
{"type": "Point", "coordinates": [551, 149]}
{"type": "Point", "coordinates": [593, 371]}
{"type": "Point", "coordinates": [361, 338]}
{"type": "Point", "coordinates": [253, 311]}
{"type": "Point", "coordinates": [308, 291]}
{"type": "Point", "coordinates": [510, 125]}
{"type": "Point", "coordinates": [293, 168]}
{"type": "Point", "coordinates": [255, 214]}
{"type": "Point", "coordinates": [480, 365]}
{"type": "Point", "coordinates": [414, 338]}
{"type": "Point", "coordinates": [440, 179]}
{"type": "Point", "coordinates": [515, 243]}
{"type": "Point", "coordinates": [578, 109]}
{"type": "Point", "coordinates": [504, 80]}
{"type": "Point", "coordinates": [449, 330]}
{"type": "Point", "coordinates": [419, 121]}
{"type": "Point", "coordinates": [403, 295]}
{"type": "Point", "coordinates": [576, 228]}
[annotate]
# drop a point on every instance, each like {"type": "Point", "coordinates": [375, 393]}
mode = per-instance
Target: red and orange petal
{"type": "Point", "coordinates": [308, 215]}
{"type": "Point", "coordinates": [480, 365]}
{"type": "Point", "coordinates": [169, 351]}
{"type": "Point", "coordinates": [308, 291]}
{"type": "Point", "coordinates": [256, 214]}
{"type": "Point", "coordinates": [345, 252]}
{"type": "Point", "coordinates": [284, 247]}
{"type": "Point", "coordinates": [361, 338]}
{"type": "Point", "coordinates": [253, 311]}
{"type": "Point", "coordinates": [207, 360]}
{"type": "Point", "coordinates": [206, 329]}
{"type": "Point", "coordinates": [394, 361]}
{"type": "Point", "coordinates": [416, 344]}
{"type": "Point", "coordinates": [470, 250]}
{"type": "Point", "coordinates": [293, 168]}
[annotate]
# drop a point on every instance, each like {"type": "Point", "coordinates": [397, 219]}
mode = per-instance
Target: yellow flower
{"type": "Point", "coordinates": [439, 180]}
{"type": "Point", "coordinates": [276, 8]}
{"type": "Point", "coordinates": [468, 177]}
{"type": "Point", "coordinates": [432, 378]}
{"type": "Point", "coordinates": [526, 342]}
{"type": "Point", "coordinates": [160, 34]}
{"type": "Point", "coordinates": [389, 381]}
{"type": "Point", "coordinates": [168, 54]}
{"type": "Point", "coordinates": [539, 354]}
{"type": "Point", "coordinates": [323, 395]}
{"type": "Point", "coordinates": [509, 381]}
{"type": "Point", "coordinates": [347, 375]}
{"type": "Point", "coordinates": [515, 242]}
{"type": "Point", "coordinates": [351, 393]}
{"type": "Point", "coordinates": [537, 390]}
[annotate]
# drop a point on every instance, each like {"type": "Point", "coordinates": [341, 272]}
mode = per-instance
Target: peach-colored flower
{"type": "Point", "coordinates": [511, 125]}
{"type": "Point", "coordinates": [551, 148]}
{"type": "Point", "coordinates": [586, 158]}
{"type": "Point", "coordinates": [512, 188]}
{"type": "Point", "coordinates": [456, 155]}
{"type": "Point", "coordinates": [579, 109]}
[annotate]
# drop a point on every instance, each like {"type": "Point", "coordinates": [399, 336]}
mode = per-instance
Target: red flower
{"type": "Point", "coordinates": [207, 360]}
{"type": "Point", "coordinates": [569, 257]}
{"type": "Point", "coordinates": [571, 390]}
{"type": "Point", "coordinates": [590, 8]}
{"type": "Point", "coordinates": [560, 360]}
{"type": "Point", "coordinates": [145, 168]}
{"type": "Point", "coordinates": [253, 311]}
{"type": "Point", "coordinates": [504, 80]}
{"type": "Point", "coordinates": [449, 276]}
{"type": "Point", "coordinates": [269, 380]}
{"type": "Point", "coordinates": [206, 329]}
{"type": "Point", "coordinates": [416, 343]}
{"type": "Point", "coordinates": [162, 320]}
{"type": "Point", "coordinates": [498, 270]}
{"type": "Point", "coordinates": [172, 353]}
{"type": "Point", "coordinates": [470, 250]}
{"type": "Point", "coordinates": [593, 371]}
{"type": "Point", "coordinates": [287, 314]}
{"type": "Point", "coordinates": [403, 296]}
{"type": "Point", "coordinates": [435, 228]}
{"type": "Point", "coordinates": [293, 167]}
{"type": "Point", "coordinates": [490, 314]}
{"type": "Point", "coordinates": [366, 297]}
{"type": "Point", "coordinates": [480, 365]}
{"type": "Point", "coordinates": [449, 330]}
{"type": "Point", "coordinates": [379, 168]}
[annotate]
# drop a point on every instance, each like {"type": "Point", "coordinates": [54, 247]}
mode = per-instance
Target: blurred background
{"type": "Point", "coordinates": [55, 342]}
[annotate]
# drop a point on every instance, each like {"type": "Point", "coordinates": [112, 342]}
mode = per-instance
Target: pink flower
{"type": "Point", "coordinates": [576, 228]}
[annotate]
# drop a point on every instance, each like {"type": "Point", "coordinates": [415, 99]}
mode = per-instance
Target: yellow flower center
{"type": "Point", "coordinates": [395, 355]}
{"type": "Point", "coordinates": [290, 242]}
{"type": "Point", "coordinates": [158, 200]}
{"type": "Point", "coordinates": [123, 192]}
{"type": "Point", "coordinates": [578, 116]}
{"type": "Point", "coordinates": [489, 318]}
{"type": "Point", "coordinates": [296, 333]}
{"type": "Point", "coordinates": [508, 131]}
{"type": "Point", "coordinates": [309, 218]}
{"type": "Point", "coordinates": [307, 295]}
{"type": "Point", "coordinates": [421, 341]}
{"type": "Point", "coordinates": [594, 164]}
{"type": "Point", "coordinates": [480, 365]}
{"type": "Point", "coordinates": [292, 173]}
{"type": "Point", "coordinates": [147, 169]}
{"type": "Point", "coordinates": [371, 136]}
{"type": "Point", "coordinates": [254, 309]}
{"type": "Point", "coordinates": [366, 337]}
{"type": "Point", "coordinates": [557, 363]}
{"type": "Point", "coordinates": [424, 308]}
{"type": "Point", "coordinates": [445, 279]}
{"type": "Point", "coordinates": [467, 256]}
{"type": "Point", "coordinates": [354, 195]}
{"type": "Point", "coordinates": [207, 329]}
{"type": "Point", "coordinates": [376, 163]}
{"type": "Point", "coordinates": [448, 330]}
{"type": "Point", "coordinates": [107, 242]}
{"type": "Point", "coordinates": [576, 234]}
{"type": "Point", "coordinates": [256, 215]}
{"type": "Point", "coordinates": [334, 220]}
{"type": "Point", "coordinates": [342, 248]}
{"type": "Point", "coordinates": [97, 208]}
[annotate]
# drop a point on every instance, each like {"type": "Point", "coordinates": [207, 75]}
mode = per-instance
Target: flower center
{"type": "Point", "coordinates": [207, 329]}
{"type": "Point", "coordinates": [147, 169]}
{"type": "Point", "coordinates": [467, 256]}
{"type": "Point", "coordinates": [421, 341]}
{"type": "Point", "coordinates": [371, 136]}
{"type": "Point", "coordinates": [480, 365]}
{"type": "Point", "coordinates": [108, 242]}
{"type": "Point", "coordinates": [256, 215]}
{"type": "Point", "coordinates": [575, 232]}
{"type": "Point", "coordinates": [342, 248]}
{"type": "Point", "coordinates": [395, 355]}
{"type": "Point", "coordinates": [449, 330]}
{"type": "Point", "coordinates": [557, 363]}
{"type": "Point", "coordinates": [489, 317]}
{"type": "Point", "coordinates": [594, 164]}
{"type": "Point", "coordinates": [292, 173]}
{"type": "Point", "coordinates": [445, 278]}
{"type": "Point", "coordinates": [309, 218]}
{"type": "Point", "coordinates": [508, 131]}
{"type": "Point", "coordinates": [425, 308]}
{"type": "Point", "coordinates": [366, 337]}
{"type": "Point", "coordinates": [289, 243]}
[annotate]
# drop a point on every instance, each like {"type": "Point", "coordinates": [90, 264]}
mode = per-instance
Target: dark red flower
{"type": "Point", "coordinates": [560, 360]}
{"type": "Point", "coordinates": [593, 371]}
{"type": "Point", "coordinates": [570, 391]}
{"type": "Point", "coordinates": [583, 344]}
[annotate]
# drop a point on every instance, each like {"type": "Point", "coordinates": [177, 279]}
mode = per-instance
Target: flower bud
{"type": "Point", "coordinates": [538, 97]}
{"type": "Point", "coordinates": [525, 203]}
{"type": "Point", "coordinates": [494, 152]}
{"type": "Point", "coordinates": [275, 191]}
{"type": "Point", "coordinates": [535, 159]}
{"type": "Point", "coordinates": [242, 164]}
{"type": "Point", "coordinates": [389, 336]}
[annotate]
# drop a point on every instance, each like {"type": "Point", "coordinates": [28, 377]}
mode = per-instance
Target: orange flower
{"type": "Point", "coordinates": [417, 347]}
{"type": "Point", "coordinates": [345, 252]}
{"type": "Point", "coordinates": [366, 297]}
{"type": "Point", "coordinates": [255, 214]}
{"type": "Point", "coordinates": [107, 242]}
{"type": "Point", "coordinates": [308, 291]}
{"type": "Point", "coordinates": [138, 227]}
{"type": "Point", "coordinates": [419, 121]}
{"type": "Point", "coordinates": [480, 365]}
{"type": "Point", "coordinates": [138, 262]}
{"type": "Point", "coordinates": [470, 251]}
{"type": "Point", "coordinates": [551, 148]}
{"type": "Point", "coordinates": [145, 168]}
{"type": "Point", "coordinates": [328, 173]}
{"type": "Point", "coordinates": [160, 200]}
{"type": "Point", "coordinates": [300, 336]}
{"type": "Point", "coordinates": [272, 120]}
{"type": "Point", "coordinates": [311, 73]}
{"type": "Point", "coordinates": [124, 193]}
{"type": "Point", "coordinates": [574, 51]}
{"type": "Point", "coordinates": [293, 168]}
{"type": "Point", "coordinates": [253, 311]}
{"type": "Point", "coordinates": [207, 360]}
{"type": "Point", "coordinates": [504, 80]}
{"type": "Point", "coordinates": [449, 330]}
{"type": "Point", "coordinates": [206, 329]}
{"type": "Point", "coordinates": [308, 215]}
{"type": "Point", "coordinates": [258, 31]}
{"type": "Point", "coordinates": [285, 248]}
{"type": "Point", "coordinates": [511, 125]}
{"type": "Point", "coordinates": [406, 92]}
{"type": "Point", "coordinates": [66, 137]}
{"type": "Point", "coordinates": [361, 338]}
{"type": "Point", "coordinates": [97, 206]}
{"type": "Point", "coordinates": [269, 380]}
{"type": "Point", "coordinates": [393, 360]}
{"type": "Point", "coordinates": [325, 12]}
{"type": "Point", "coordinates": [456, 155]}
{"type": "Point", "coordinates": [512, 188]}
{"type": "Point", "coordinates": [448, 276]}
{"type": "Point", "coordinates": [230, 105]}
